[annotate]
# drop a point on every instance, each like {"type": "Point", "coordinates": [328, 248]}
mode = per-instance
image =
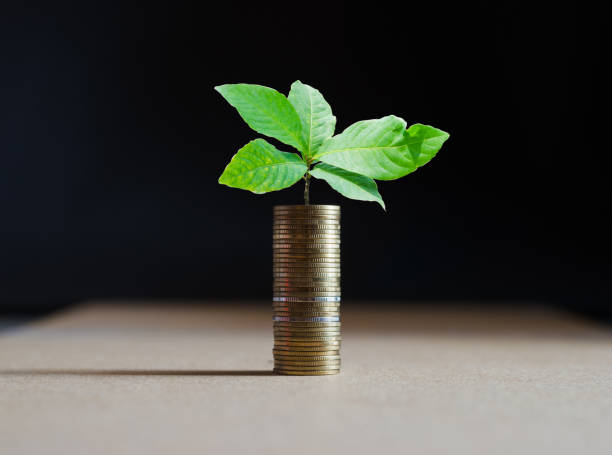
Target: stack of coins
{"type": "Point", "coordinates": [306, 298]}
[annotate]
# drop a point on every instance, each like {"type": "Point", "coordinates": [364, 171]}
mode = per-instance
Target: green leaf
{"type": "Point", "coordinates": [424, 142]}
{"type": "Point", "coordinates": [266, 111]}
{"type": "Point", "coordinates": [260, 167]}
{"type": "Point", "coordinates": [318, 122]}
{"type": "Point", "coordinates": [375, 148]}
{"type": "Point", "coordinates": [349, 184]}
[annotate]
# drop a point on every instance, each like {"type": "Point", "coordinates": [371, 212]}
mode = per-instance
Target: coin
{"type": "Point", "coordinates": [307, 339]}
{"type": "Point", "coordinates": [303, 361]}
{"type": "Point", "coordinates": [323, 331]}
{"type": "Point", "coordinates": [306, 368]}
{"type": "Point", "coordinates": [311, 299]}
{"type": "Point", "coordinates": [311, 225]}
{"type": "Point", "coordinates": [307, 208]}
{"type": "Point", "coordinates": [308, 249]}
{"type": "Point", "coordinates": [292, 306]}
{"type": "Point", "coordinates": [307, 258]}
{"type": "Point", "coordinates": [307, 282]}
{"type": "Point", "coordinates": [320, 333]}
{"type": "Point", "coordinates": [315, 363]}
{"type": "Point", "coordinates": [280, 314]}
{"type": "Point", "coordinates": [308, 290]}
{"type": "Point", "coordinates": [298, 232]}
{"type": "Point", "coordinates": [307, 348]}
{"type": "Point", "coordinates": [282, 263]}
{"type": "Point", "coordinates": [301, 237]}
{"type": "Point", "coordinates": [306, 274]}
{"type": "Point", "coordinates": [278, 310]}
{"type": "Point", "coordinates": [307, 330]}
{"type": "Point", "coordinates": [307, 344]}
{"type": "Point", "coordinates": [314, 261]}
{"type": "Point", "coordinates": [305, 294]}
{"type": "Point", "coordinates": [309, 335]}
{"type": "Point", "coordinates": [307, 324]}
{"type": "Point", "coordinates": [306, 373]}
{"type": "Point", "coordinates": [306, 354]}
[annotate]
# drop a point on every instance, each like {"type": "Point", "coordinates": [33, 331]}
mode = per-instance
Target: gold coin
{"type": "Point", "coordinates": [300, 237]}
{"type": "Point", "coordinates": [306, 282]}
{"type": "Point", "coordinates": [306, 237]}
{"type": "Point", "coordinates": [278, 363]}
{"type": "Point", "coordinates": [275, 327]}
{"type": "Point", "coordinates": [310, 358]}
{"type": "Point", "coordinates": [299, 218]}
{"type": "Point", "coordinates": [293, 306]}
{"type": "Point", "coordinates": [310, 290]}
{"type": "Point", "coordinates": [303, 286]}
{"type": "Point", "coordinates": [309, 279]}
{"type": "Point", "coordinates": [309, 335]}
{"type": "Point", "coordinates": [307, 344]}
{"type": "Point", "coordinates": [305, 219]}
{"type": "Point", "coordinates": [306, 314]}
{"type": "Point", "coordinates": [311, 339]}
{"type": "Point", "coordinates": [305, 248]}
{"type": "Point", "coordinates": [305, 264]}
{"type": "Point", "coordinates": [306, 368]}
{"type": "Point", "coordinates": [306, 288]}
{"type": "Point", "coordinates": [307, 293]}
{"type": "Point", "coordinates": [306, 373]}
{"type": "Point", "coordinates": [302, 214]}
{"type": "Point", "coordinates": [305, 274]}
{"type": "Point", "coordinates": [308, 327]}
{"type": "Point", "coordinates": [307, 309]}
{"type": "Point", "coordinates": [301, 267]}
{"type": "Point", "coordinates": [308, 330]}
{"type": "Point", "coordinates": [298, 296]}
{"type": "Point", "coordinates": [315, 363]}
{"type": "Point", "coordinates": [318, 262]}
{"type": "Point", "coordinates": [308, 258]}
{"type": "Point", "coordinates": [307, 324]}
{"type": "Point", "coordinates": [325, 348]}
{"type": "Point", "coordinates": [286, 353]}
{"type": "Point", "coordinates": [332, 233]}
{"type": "Point", "coordinates": [308, 208]}
{"type": "Point", "coordinates": [310, 225]}
{"type": "Point", "coordinates": [320, 222]}
{"type": "Point", "coordinates": [323, 331]}
{"type": "Point", "coordinates": [306, 213]}
{"type": "Point", "coordinates": [305, 260]}
{"type": "Point", "coordinates": [319, 333]}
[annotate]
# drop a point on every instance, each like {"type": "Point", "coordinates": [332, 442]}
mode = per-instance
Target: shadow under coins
{"type": "Point", "coordinates": [86, 372]}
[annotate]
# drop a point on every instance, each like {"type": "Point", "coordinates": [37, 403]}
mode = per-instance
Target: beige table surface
{"type": "Point", "coordinates": [125, 379]}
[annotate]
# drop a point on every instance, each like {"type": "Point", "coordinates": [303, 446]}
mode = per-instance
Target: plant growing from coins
{"type": "Point", "coordinates": [350, 162]}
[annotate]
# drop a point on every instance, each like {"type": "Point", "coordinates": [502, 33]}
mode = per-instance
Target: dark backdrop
{"type": "Point", "coordinates": [113, 140]}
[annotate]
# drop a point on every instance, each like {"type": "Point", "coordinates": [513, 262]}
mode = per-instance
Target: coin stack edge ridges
{"type": "Point", "coordinates": [306, 289]}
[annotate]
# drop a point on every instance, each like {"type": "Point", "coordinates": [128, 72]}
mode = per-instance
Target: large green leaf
{"type": "Point", "coordinates": [349, 184]}
{"type": "Point", "coordinates": [424, 142]}
{"type": "Point", "coordinates": [266, 111]}
{"type": "Point", "coordinates": [260, 167]}
{"type": "Point", "coordinates": [375, 148]}
{"type": "Point", "coordinates": [318, 122]}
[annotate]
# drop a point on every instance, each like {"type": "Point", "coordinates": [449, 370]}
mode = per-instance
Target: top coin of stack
{"type": "Point", "coordinates": [306, 297]}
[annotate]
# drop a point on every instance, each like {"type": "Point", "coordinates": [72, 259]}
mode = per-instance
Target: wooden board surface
{"type": "Point", "coordinates": [131, 379]}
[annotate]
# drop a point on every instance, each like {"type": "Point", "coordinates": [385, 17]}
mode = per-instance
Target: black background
{"type": "Point", "coordinates": [112, 141]}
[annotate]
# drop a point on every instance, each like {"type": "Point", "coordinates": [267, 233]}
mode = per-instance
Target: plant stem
{"type": "Point", "coordinates": [307, 187]}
